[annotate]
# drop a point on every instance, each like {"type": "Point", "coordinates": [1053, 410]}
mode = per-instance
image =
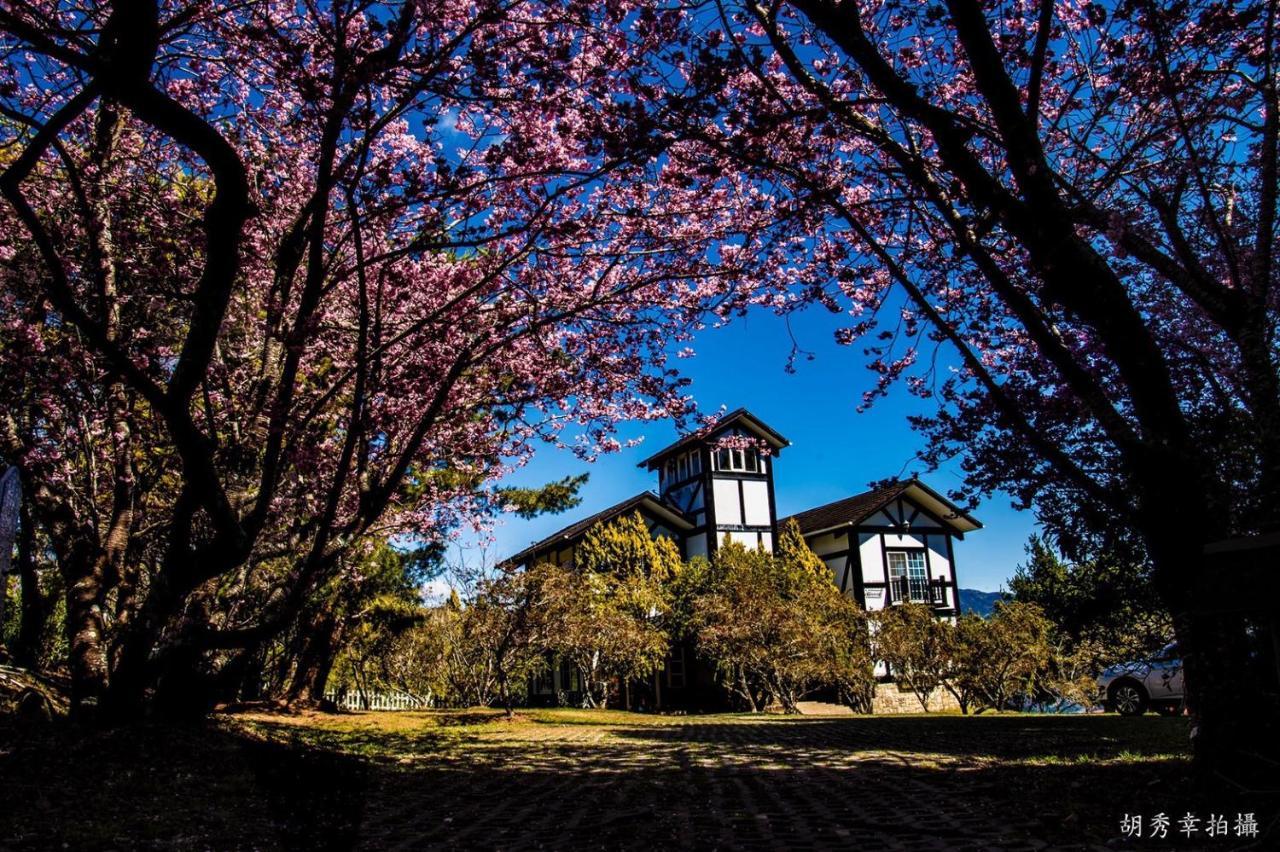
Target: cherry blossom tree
{"type": "Point", "coordinates": [283, 279]}
{"type": "Point", "coordinates": [1057, 220]}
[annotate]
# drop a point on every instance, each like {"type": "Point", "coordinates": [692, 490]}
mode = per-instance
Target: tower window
{"type": "Point", "coordinates": [745, 460]}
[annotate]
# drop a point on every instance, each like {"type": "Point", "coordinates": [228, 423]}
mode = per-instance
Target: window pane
{"type": "Point", "coordinates": [737, 459]}
{"type": "Point", "coordinates": [695, 463]}
{"type": "Point", "coordinates": [897, 564]}
{"type": "Point", "coordinates": [751, 460]}
{"type": "Point", "coordinates": [722, 459]}
{"type": "Point", "coordinates": [915, 562]}
{"type": "Point", "coordinates": [917, 578]}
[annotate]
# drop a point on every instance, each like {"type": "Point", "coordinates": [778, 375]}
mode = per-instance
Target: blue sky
{"type": "Point", "coordinates": [834, 452]}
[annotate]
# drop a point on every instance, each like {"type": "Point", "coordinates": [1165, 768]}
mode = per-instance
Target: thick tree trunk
{"type": "Point", "coordinates": [87, 656]}
{"type": "Point", "coordinates": [316, 661]}
{"type": "Point", "coordinates": [140, 662]}
{"type": "Point", "coordinates": [1233, 712]}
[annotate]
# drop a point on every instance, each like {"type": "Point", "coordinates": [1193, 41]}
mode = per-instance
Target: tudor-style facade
{"type": "Point", "coordinates": [891, 545]}
{"type": "Point", "coordinates": [887, 546]}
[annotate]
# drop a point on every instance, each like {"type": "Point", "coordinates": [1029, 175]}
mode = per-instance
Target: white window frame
{"type": "Point", "coordinates": [732, 460]}
{"type": "Point", "coordinates": [914, 573]}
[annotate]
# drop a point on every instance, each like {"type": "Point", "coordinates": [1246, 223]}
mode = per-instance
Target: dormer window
{"type": "Point", "coordinates": [748, 461]}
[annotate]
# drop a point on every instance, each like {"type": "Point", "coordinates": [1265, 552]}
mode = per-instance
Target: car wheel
{"type": "Point", "coordinates": [1128, 698]}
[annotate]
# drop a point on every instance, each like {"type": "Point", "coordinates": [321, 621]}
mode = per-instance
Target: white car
{"type": "Point", "coordinates": [1131, 689]}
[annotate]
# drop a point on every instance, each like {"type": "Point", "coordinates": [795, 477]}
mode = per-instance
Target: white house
{"type": "Point", "coordinates": [886, 546]}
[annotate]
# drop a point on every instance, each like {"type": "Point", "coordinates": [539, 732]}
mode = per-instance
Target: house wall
{"type": "Point", "coordinates": [755, 499]}
{"type": "Point", "coordinates": [871, 557]}
{"type": "Point", "coordinates": [856, 556]}
{"type": "Point", "coordinates": [741, 506]}
{"type": "Point", "coordinates": [728, 506]}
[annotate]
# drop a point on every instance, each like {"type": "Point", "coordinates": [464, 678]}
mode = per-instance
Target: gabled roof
{"type": "Point", "coordinates": [853, 510]}
{"type": "Point", "coordinates": [740, 417]}
{"type": "Point", "coordinates": [646, 499]}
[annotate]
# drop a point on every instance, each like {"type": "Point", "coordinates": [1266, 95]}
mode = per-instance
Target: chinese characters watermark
{"type": "Point", "coordinates": [1158, 826]}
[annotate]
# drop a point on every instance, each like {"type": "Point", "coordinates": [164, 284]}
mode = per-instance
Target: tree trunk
{"type": "Point", "coordinates": [744, 689]}
{"type": "Point", "coordinates": [1233, 720]}
{"type": "Point", "coordinates": [316, 661]}
{"type": "Point", "coordinates": [137, 665]}
{"type": "Point", "coordinates": [87, 656]}
{"type": "Point", "coordinates": [35, 606]}
{"type": "Point", "coordinates": [504, 691]}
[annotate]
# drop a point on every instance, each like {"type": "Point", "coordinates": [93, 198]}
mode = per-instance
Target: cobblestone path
{"type": "Point", "coordinates": [801, 784]}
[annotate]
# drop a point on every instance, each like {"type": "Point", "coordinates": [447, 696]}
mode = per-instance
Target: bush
{"type": "Point", "coordinates": [777, 628]}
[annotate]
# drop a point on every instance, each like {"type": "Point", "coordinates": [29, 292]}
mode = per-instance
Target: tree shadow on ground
{"type": "Point", "coordinates": [316, 797]}
{"type": "Point", "coordinates": [1008, 736]}
{"type": "Point", "coordinates": [173, 787]}
{"type": "Point", "coordinates": [573, 797]}
{"type": "Point", "coordinates": [868, 784]}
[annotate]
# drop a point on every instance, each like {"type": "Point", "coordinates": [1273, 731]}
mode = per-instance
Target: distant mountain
{"type": "Point", "coordinates": [973, 600]}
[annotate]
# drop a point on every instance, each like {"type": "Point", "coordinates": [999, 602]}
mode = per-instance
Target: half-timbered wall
{"type": "Point", "coordinates": [859, 557]}
{"type": "Point", "coordinates": [740, 483]}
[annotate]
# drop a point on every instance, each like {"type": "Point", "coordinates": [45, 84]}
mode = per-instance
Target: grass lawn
{"type": "Point", "coordinates": [600, 779]}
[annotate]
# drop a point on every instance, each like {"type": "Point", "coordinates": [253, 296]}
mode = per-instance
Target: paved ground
{"type": "Point", "coordinates": [574, 779]}
{"type": "Point", "coordinates": [601, 780]}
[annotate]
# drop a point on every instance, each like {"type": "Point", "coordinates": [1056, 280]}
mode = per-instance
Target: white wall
{"type": "Point", "coordinates": [755, 494]}
{"type": "Point", "coordinates": [875, 598]}
{"type": "Point", "coordinates": [827, 542]}
{"type": "Point", "coordinates": [836, 566]}
{"type": "Point", "coordinates": [728, 509]}
{"type": "Point", "coordinates": [939, 565]}
{"type": "Point", "coordinates": [893, 541]}
{"type": "Point", "coordinates": [872, 559]}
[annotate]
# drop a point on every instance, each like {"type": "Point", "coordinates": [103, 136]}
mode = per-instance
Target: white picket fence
{"type": "Point", "coordinates": [361, 700]}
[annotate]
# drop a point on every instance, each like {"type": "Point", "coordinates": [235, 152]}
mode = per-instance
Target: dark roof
{"type": "Point", "coordinates": [579, 527]}
{"type": "Point", "coordinates": [748, 419]}
{"type": "Point", "coordinates": [855, 509]}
